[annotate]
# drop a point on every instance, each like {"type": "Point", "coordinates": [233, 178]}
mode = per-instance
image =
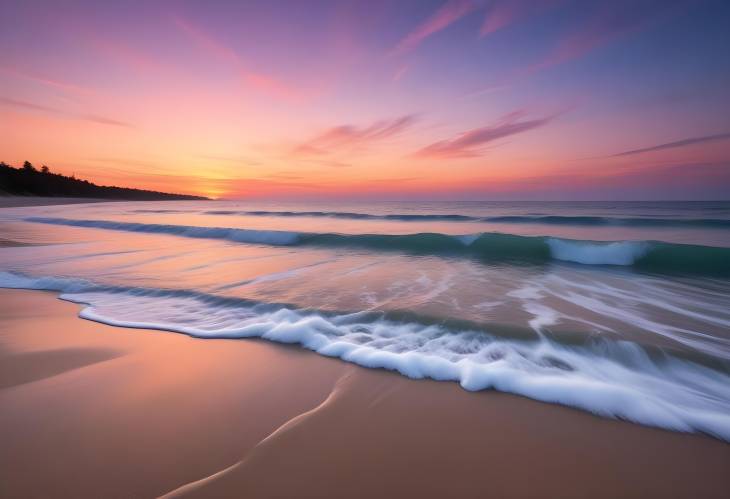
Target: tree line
{"type": "Point", "coordinates": [30, 181]}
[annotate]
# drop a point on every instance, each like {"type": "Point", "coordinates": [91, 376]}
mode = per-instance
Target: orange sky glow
{"type": "Point", "coordinates": [452, 99]}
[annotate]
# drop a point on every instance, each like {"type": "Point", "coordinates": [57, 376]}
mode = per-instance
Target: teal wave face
{"type": "Point", "coordinates": [665, 257]}
{"type": "Point", "coordinates": [651, 256]}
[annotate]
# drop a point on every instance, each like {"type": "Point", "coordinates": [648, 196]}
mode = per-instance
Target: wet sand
{"type": "Point", "coordinates": [89, 410]}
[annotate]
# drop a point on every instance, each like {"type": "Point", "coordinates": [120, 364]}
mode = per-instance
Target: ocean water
{"type": "Point", "coordinates": [620, 309]}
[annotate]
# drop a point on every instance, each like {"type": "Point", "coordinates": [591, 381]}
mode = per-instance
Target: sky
{"type": "Point", "coordinates": [325, 100]}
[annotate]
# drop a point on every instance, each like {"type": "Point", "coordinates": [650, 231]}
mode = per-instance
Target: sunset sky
{"type": "Point", "coordinates": [444, 99]}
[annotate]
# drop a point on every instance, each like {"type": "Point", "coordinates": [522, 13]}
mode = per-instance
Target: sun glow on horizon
{"type": "Point", "coordinates": [457, 99]}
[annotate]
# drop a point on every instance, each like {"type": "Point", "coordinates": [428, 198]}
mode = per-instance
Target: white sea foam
{"type": "Point", "coordinates": [616, 253]}
{"type": "Point", "coordinates": [468, 239]}
{"type": "Point", "coordinates": [613, 378]}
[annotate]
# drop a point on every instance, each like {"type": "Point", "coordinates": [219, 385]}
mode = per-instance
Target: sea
{"type": "Point", "coordinates": [621, 309]}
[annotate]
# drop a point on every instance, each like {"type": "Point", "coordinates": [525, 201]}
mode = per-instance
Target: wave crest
{"type": "Point", "coordinates": [493, 247]}
{"type": "Point", "coordinates": [617, 379]}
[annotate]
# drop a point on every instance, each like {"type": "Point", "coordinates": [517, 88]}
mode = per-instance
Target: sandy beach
{"type": "Point", "coordinates": [89, 410]}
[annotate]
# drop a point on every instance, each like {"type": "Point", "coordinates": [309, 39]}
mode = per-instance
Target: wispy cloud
{"type": "Point", "coordinates": [5, 101]}
{"type": "Point", "coordinates": [400, 72]}
{"type": "Point", "coordinates": [45, 80]}
{"type": "Point", "coordinates": [284, 175]}
{"type": "Point", "coordinates": [350, 136]}
{"type": "Point", "coordinates": [125, 54]}
{"type": "Point", "coordinates": [503, 13]}
{"type": "Point", "coordinates": [471, 143]}
{"type": "Point", "coordinates": [242, 160]}
{"type": "Point", "coordinates": [607, 23]}
{"type": "Point", "coordinates": [103, 121]}
{"type": "Point", "coordinates": [263, 82]}
{"type": "Point", "coordinates": [26, 105]}
{"type": "Point", "coordinates": [499, 14]}
{"type": "Point", "coordinates": [447, 14]}
{"type": "Point", "coordinates": [675, 144]}
{"type": "Point", "coordinates": [206, 41]}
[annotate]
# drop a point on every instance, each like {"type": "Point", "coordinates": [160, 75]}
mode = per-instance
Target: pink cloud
{"type": "Point", "coordinates": [676, 144]}
{"type": "Point", "coordinates": [21, 104]}
{"type": "Point", "coordinates": [447, 14]}
{"type": "Point", "coordinates": [262, 82]}
{"type": "Point", "coordinates": [502, 13]}
{"type": "Point", "coordinates": [206, 41]}
{"type": "Point", "coordinates": [471, 143]}
{"type": "Point", "coordinates": [135, 59]}
{"type": "Point", "coordinates": [349, 136]}
{"type": "Point", "coordinates": [400, 72]}
{"type": "Point", "coordinates": [604, 26]}
{"type": "Point", "coordinates": [38, 78]}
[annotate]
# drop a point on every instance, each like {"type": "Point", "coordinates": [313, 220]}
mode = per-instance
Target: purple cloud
{"type": "Point", "coordinates": [470, 143]}
{"type": "Point", "coordinates": [447, 14]}
{"type": "Point", "coordinates": [672, 145]}
{"type": "Point", "coordinates": [348, 136]}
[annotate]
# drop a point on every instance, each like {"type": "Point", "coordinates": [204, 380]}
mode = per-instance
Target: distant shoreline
{"type": "Point", "coordinates": [23, 201]}
{"type": "Point", "coordinates": [30, 181]}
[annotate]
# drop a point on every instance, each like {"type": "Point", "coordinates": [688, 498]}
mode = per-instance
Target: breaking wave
{"type": "Point", "coordinates": [651, 256]}
{"type": "Point", "coordinates": [611, 378]}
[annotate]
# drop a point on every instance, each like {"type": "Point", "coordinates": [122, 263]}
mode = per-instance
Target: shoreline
{"type": "Point", "coordinates": [145, 413]}
{"type": "Point", "coordinates": [30, 201]}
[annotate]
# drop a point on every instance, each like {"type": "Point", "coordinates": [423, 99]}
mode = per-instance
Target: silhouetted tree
{"type": "Point", "coordinates": [27, 181]}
